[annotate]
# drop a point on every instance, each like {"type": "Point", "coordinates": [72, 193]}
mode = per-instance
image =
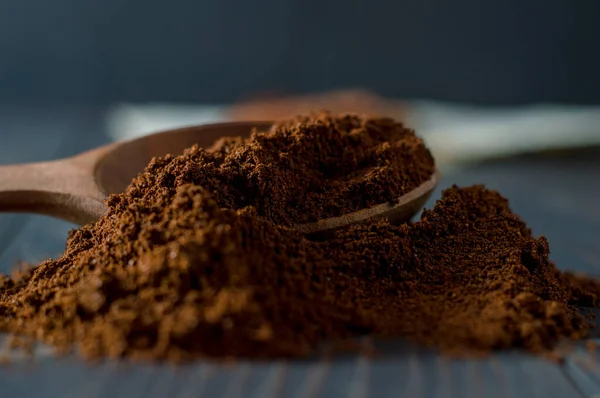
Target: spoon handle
{"type": "Point", "coordinates": [63, 188]}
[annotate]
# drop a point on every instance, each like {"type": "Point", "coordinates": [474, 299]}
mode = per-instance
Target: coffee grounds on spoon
{"type": "Point", "coordinates": [302, 170]}
{"type": "Point", "coordinates": [170, 273]}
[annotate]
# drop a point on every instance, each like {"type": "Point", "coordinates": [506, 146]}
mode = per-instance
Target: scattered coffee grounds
{"type": "Point", "coordinates": [171, 273]}
{"type": "Point", "coordinates": [302, 170]}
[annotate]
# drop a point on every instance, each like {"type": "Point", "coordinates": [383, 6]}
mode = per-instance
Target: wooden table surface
{"type": "Point", "coordinates": [557, 195]}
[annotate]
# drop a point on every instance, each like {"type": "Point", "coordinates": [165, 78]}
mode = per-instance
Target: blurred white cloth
{"type": "Point", "coordinates": [456, 133]}
{"type": "Point", "coordinates": [459, 134]}
{"type": "Point", "coordinates": [127, 121]}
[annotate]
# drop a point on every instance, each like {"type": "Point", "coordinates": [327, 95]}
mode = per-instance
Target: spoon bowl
{"type": "Point", "coordinates": [74, 188]}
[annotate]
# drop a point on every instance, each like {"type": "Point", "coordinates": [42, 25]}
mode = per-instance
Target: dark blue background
{"type": "Point", "coordinates": [496, 51]}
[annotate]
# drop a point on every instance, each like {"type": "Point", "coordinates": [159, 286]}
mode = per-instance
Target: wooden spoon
{"type": "Point", "coordinates": [74, 188]}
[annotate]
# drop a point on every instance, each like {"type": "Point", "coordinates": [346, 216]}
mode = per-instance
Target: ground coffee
{"type": "Point", "coordinates": [302, 170]}
{"type": "Point", "coordinates": [170, 273]}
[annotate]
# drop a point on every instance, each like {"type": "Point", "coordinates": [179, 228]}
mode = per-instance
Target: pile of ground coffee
{"type": "Point", "coordinates": [170, 273]}
{"type": "Point", "coordinates": [302, 170]}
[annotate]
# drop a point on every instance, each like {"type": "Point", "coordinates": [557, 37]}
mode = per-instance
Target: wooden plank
{"type": "Point", "coordinates": [582, 367]}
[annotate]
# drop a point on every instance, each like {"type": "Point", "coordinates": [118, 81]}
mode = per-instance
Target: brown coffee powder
{"type": "Point", "coordinates": [303, 169]}
{"type": "Point", "coordinates": [168, 273]}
